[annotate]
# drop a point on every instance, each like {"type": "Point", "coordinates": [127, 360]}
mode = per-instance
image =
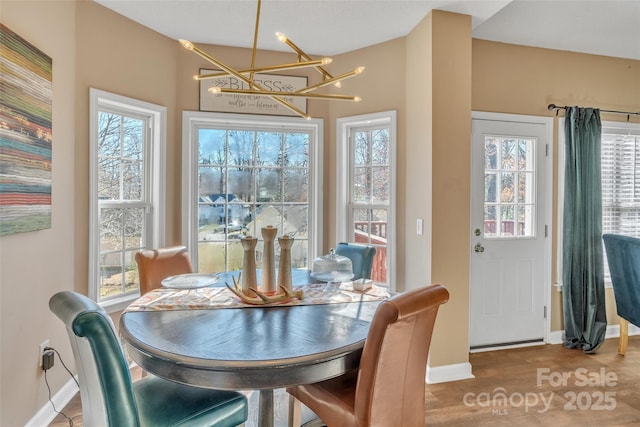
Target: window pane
{"type": "Point", "coordinates": [361, 152]}
{"type": "Point", "coordinates": [507, 183]}
{"type": "Point", "coordinates": [362, 185]}
{"type": "Point", "coordinates": [296, 185]}
{"type": "Point", "coordinates": [297, 149]}
{"type": "Point", "coordinates": [296, 221]}
{"type": "Point", "coordinates": [525, 221]}
{"type": "Point", "coordinates": [108, 178]}
{"type": "Point", "coordinates": [507, 221]}
{"type": "Point", "coordinates": [241, 144]}
{"type": "Point", "coordinates": [132, 180]}
{"type": "Point", "coordinates": [241, 183]}
{"type": "Point", "coordinates": [211, 256]}
{"type": "Point", "coordinates": [212, 147]}
{"type": "Point", "coordinates": [508, 154]}
{"type": "Point", "coordinates": [490, 221]}
{"type": "Point", "coordinates": [268, 183]}
{"type": "Point", "coordinates": [111, 225]}
{"type": "Point", "coordinates": [269, 149]}
{"type": "Point", "coordinates": [133, 228]}
{"type": "Point", "coordinates": [300, 253]}
{"type": "Point", "coordinates": [211, 183]}
{"type": "Point", "coordinates": [133, 141]}
{"type": "Point", "coordinates": [380, 178]}
{"type": "Point", "coordinates": [380, 148]}
{"type": "Point", "coordinates": [108, 134]}
{"type": "Point", "coordinates": [490, 187]}
{"type": "Point", "coordinates": [490, 154]}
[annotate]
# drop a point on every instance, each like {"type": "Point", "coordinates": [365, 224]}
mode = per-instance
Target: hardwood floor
{"type": "Point", "coordinates": [537, 386]}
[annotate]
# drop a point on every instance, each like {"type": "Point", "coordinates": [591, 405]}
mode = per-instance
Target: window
{"type": "Point", "coordinates": [126, 192]}
{"type": "Point", "coordinates": [620, 171]}
{"type": "Point", "coordinates": [509, 195]}
{"type": "Point", "coordinates": [366, 179]}
{"type": "Point", "coordinates": [242, 173]}
{"type": "Point", "coordinates": [620, 180]}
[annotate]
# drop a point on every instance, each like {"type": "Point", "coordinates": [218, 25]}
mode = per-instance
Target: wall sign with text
{"type": "Point", "coordinates": [251, 104]}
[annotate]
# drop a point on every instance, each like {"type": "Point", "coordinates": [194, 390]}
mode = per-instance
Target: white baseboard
{"type": "Point", "coordinates": [46, 414]}
{"type": "Point", "coordinates": [555, 337]}
{"type": "Point", "coordinates": [447, 373]}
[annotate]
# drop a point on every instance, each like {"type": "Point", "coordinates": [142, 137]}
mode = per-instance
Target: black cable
{"type": "Point", "coordinates": [65, 366]}
{"type": "Point", "coordinates": [46, 381]}
{"type": "Point", "coordinates": [49, 388]}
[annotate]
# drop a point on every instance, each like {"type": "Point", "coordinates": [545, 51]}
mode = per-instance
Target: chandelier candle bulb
{"type": "Point", "coordinates": [268, 279]}
{"type": "Point", "coordinates": [284, 267]}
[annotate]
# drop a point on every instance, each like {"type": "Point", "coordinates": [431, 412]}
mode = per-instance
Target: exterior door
{"type": "Point", "coordinates": [509, 251]}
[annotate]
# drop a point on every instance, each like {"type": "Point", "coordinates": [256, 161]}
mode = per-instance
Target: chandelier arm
{"type": "Point", "coordinates": [282, 67]}
{"type": "Point", "coordinates": [255, 41]}
{"type": "Point", "coordinates": [328, 96]}
{"type": "Point", "coordinates": [324, 83]}
{"type": "Point", "coordinates": [302, 54]}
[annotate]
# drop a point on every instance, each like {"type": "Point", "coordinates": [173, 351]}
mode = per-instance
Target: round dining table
{"type": "Point", "coordinates": [250, 348]}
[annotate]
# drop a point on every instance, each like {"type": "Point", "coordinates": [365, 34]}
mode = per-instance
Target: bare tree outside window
{"type": "Point", "coordinates": [121, 200]}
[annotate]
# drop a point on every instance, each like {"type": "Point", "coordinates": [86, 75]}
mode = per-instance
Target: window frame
{"type": "Point", "coordinates": [154, 160]}
{"type": "Point", "coordinates": [344, 178]}
{"type": "Point", "coordinates": [193, 120]}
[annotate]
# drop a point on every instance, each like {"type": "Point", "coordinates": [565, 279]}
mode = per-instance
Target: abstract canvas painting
{"type": "Point", "coordinates": [25, 135]}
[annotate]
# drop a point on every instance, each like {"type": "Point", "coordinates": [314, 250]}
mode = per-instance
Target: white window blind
{"type": "Point", "coordinates": [620, 181]}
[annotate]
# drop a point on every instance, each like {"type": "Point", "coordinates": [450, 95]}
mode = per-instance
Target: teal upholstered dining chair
{"type": "Point", "coordinates": [110, 398]}
{"type": "Point", "coordinates": [361, 257]}
{"type": "Point", "coordinates": [623, 257]}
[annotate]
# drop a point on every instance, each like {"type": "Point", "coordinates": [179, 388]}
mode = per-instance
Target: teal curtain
{"type": "Point", "coordinates": [585, 319]}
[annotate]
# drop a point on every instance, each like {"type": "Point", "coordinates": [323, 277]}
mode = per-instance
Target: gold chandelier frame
{"type": "Point", "coordinates": [254, 88]}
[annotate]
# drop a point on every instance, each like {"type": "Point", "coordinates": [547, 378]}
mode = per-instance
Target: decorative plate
{"type": "Point", "coordinates": [190, 281]}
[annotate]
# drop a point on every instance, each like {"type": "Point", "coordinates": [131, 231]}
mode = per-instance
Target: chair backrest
{"type": "Point", "coordinates": [157, 264]}
{"type": "Point", "coordinates": [623, 257]}
{"type": "Point", "coordinates": [361, 257]}
{"type": "Point", "coordinates": [106, 390]}
{"type": "Point", "coordinates": [390, 386]}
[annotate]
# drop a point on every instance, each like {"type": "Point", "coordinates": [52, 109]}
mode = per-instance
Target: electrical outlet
{"type": "Point", "coordinates": [419, 227]}
{"type": "Point", "coordinates": [44, 345]}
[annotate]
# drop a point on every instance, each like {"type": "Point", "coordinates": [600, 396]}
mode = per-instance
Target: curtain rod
{"type": "Point", "coordinates": [628, 113]}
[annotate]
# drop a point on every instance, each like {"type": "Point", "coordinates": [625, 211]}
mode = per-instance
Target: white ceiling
{"type": "Point", "coordinates": [330, 27]}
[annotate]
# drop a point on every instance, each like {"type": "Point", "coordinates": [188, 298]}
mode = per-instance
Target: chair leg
{"type": "Point", "coordinates": [624, 336]}
{"type": "Point", "coordinates": [295, 412]}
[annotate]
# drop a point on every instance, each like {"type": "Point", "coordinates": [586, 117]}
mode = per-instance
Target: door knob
{"type": "Point", "coordinates": [478, 248]}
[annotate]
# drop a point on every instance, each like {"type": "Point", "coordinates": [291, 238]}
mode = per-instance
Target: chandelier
{"type": "Point", "coordinates": [255, 88]}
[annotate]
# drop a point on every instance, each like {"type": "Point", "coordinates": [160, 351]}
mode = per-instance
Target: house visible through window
{"type": "Point", "coordinates": [126, 192]}
{"type": "Point", "coordinates": [243, 173]}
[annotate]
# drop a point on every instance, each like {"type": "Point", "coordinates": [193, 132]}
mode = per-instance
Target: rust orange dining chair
{"type": "Point", "coordinates": [388, 388]}
{"type": "Point", "coordinates": [157, 264]}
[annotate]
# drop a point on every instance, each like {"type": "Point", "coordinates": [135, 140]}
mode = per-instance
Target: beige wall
{"type": "Point", "coordinates": [451, 178]}
{"type": "Point", "coordinates": [425, 77]}
{"type": "Point", "coordinates": [35, 265]}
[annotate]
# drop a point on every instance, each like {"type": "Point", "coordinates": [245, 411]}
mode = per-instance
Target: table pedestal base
{"type": "Point", "coordinates": [265, 408]}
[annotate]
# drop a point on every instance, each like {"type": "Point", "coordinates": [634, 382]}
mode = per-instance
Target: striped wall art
{"type": "Point", "coordinates": [25, 135]}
